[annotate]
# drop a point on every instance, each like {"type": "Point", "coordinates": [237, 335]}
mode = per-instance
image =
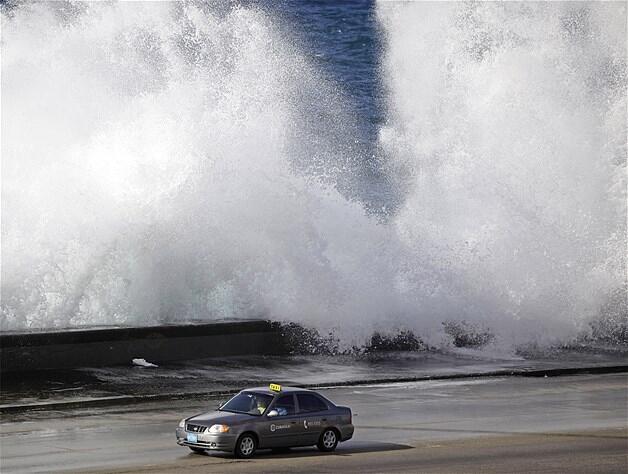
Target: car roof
{"type": "Point", "coordinates": [272, 392]}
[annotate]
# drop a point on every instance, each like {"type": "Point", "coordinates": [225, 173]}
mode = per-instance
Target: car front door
{"type": "Point", "coordinates": [283, 429]}
{"type": "Point", "coordinates": [313, 415]}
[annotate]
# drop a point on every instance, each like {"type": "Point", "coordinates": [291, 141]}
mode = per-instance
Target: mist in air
{"type": "Point", "coordinates": [180, 161]}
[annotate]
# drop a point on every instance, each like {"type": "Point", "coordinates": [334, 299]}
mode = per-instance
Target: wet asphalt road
{"type": "Point", "coordinates": [561, 424]}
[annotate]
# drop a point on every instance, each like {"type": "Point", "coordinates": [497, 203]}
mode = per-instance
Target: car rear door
{"type": "Point", "coordinates": [313, 414]}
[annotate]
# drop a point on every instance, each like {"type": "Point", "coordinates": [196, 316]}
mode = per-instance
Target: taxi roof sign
{"type": "Point", "coordinates": [275, 387]}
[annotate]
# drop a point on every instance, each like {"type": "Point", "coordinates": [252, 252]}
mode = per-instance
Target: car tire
{"type": "Point", "coordinates": [197, 450]}
{"type": "Point", "coordinates": [246, 446]}
{"type": "Point", "coordinates": [328, 440]}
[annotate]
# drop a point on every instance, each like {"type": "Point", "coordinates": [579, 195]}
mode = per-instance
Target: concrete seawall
{"type": "Point", "coordinates": [100, 347]}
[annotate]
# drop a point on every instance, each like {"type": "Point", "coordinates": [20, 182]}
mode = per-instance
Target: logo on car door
{"type": "Point", "coordinates": [307, 424]}
{"type": "Point", "coordinates": [275, 427]}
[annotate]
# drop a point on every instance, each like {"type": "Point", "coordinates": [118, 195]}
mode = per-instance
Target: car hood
{"type": "Point", "coordinates": [223, 417]}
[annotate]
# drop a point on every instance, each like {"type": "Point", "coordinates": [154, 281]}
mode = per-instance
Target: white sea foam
{"type": "Point", "coordinates": [171, 161]}
{"type": "Point", "coordinates": [510, 122]}
{"type": "Point", "coordinates": [161, 162]}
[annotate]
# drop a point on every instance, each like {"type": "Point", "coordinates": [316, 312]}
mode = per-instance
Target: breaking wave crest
{"type": "Point", "coordinates": [509, 122]}
{"type": "Point", "coordinates": [177, 161]}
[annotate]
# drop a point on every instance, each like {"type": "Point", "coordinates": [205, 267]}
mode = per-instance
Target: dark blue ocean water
{"type": "Point", "coordinates": [343, 41]}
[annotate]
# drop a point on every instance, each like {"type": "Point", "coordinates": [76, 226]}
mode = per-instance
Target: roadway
{"type": "Point", "coordinates": [493, 424]}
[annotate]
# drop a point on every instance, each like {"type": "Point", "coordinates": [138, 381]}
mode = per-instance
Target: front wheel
{"type": "Point", "coordinates": [245, 447]}
{"type": "Point", "coordinates": [328, 440]}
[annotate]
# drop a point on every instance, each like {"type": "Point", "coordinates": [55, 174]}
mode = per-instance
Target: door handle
{"type": "Point", "coordinates": [293, 422]}
{"type": "Point", "coordinates": [324, 419]}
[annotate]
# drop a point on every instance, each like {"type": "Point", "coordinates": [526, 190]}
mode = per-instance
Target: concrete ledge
{"type": "Point", "coordinates": [100, 347]}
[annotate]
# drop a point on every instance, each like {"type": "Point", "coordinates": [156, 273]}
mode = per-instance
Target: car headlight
{"type": "Point", "coordinates": [182, 423]}
{"type": "Point", "coordinates": [219, 429]}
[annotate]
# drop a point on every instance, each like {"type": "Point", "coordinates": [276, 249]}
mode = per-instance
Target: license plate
{"type": "Point", "coordinates": [192, 438]}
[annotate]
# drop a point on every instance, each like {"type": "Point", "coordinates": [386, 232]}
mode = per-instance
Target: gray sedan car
{"type": "Point", "coordinates": [268, 417]}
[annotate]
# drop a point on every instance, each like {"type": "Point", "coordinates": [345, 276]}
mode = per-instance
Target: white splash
{"type": "Point", "coordinates": [160, 162]}
{"type": "Point", "coordinates": [174, 161]}
{"type": "Point", "coordinates": [510, 122]}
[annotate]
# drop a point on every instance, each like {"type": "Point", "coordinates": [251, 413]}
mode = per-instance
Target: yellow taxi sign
{"type": "Point", "coordinates": [275, 387]}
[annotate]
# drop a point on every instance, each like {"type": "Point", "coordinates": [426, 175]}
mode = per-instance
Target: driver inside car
{"type": "Point", "coordinates": [261, 406]}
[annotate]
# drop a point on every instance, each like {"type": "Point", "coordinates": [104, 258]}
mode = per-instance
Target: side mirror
{"type": "Point", "coordinates": [272, 413]}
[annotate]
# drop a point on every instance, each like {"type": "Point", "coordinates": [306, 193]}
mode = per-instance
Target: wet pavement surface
{"type": "Point", "coordinates": [496, 424]}
{"type": "Point", "coordinates": [227, 374]}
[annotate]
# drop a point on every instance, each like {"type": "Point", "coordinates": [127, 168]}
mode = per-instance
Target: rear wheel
{"type": "Point", "coordinates": [328, 440]}
{"type": "Point", "coordinates": [197, 450]}
{"type": "Point", "coordinates": [246, 446]}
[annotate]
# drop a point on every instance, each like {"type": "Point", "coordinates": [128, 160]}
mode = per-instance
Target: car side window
{"type": "Point", "coordinates": [285, 405]}
{"type": "Point", "coordinates": [309, 403]}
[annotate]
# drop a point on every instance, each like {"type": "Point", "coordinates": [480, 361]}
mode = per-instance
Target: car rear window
{"type": "Point", "coordinates": [310, 403]}
{"type": "Point", "coordinates": [285, 405]}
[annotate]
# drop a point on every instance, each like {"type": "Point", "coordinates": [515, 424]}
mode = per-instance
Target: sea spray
{"type": "Point", "coordinates": [176, 161]}
{"type": "Point", "coordinates": [509, 120]}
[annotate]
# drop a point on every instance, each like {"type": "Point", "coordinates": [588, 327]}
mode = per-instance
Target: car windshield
{"type": "Point", "coordinates": [252, 403]}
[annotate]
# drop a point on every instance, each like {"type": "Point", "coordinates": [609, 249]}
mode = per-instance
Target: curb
{"type": "Point", "coordinates": [133, 399]}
